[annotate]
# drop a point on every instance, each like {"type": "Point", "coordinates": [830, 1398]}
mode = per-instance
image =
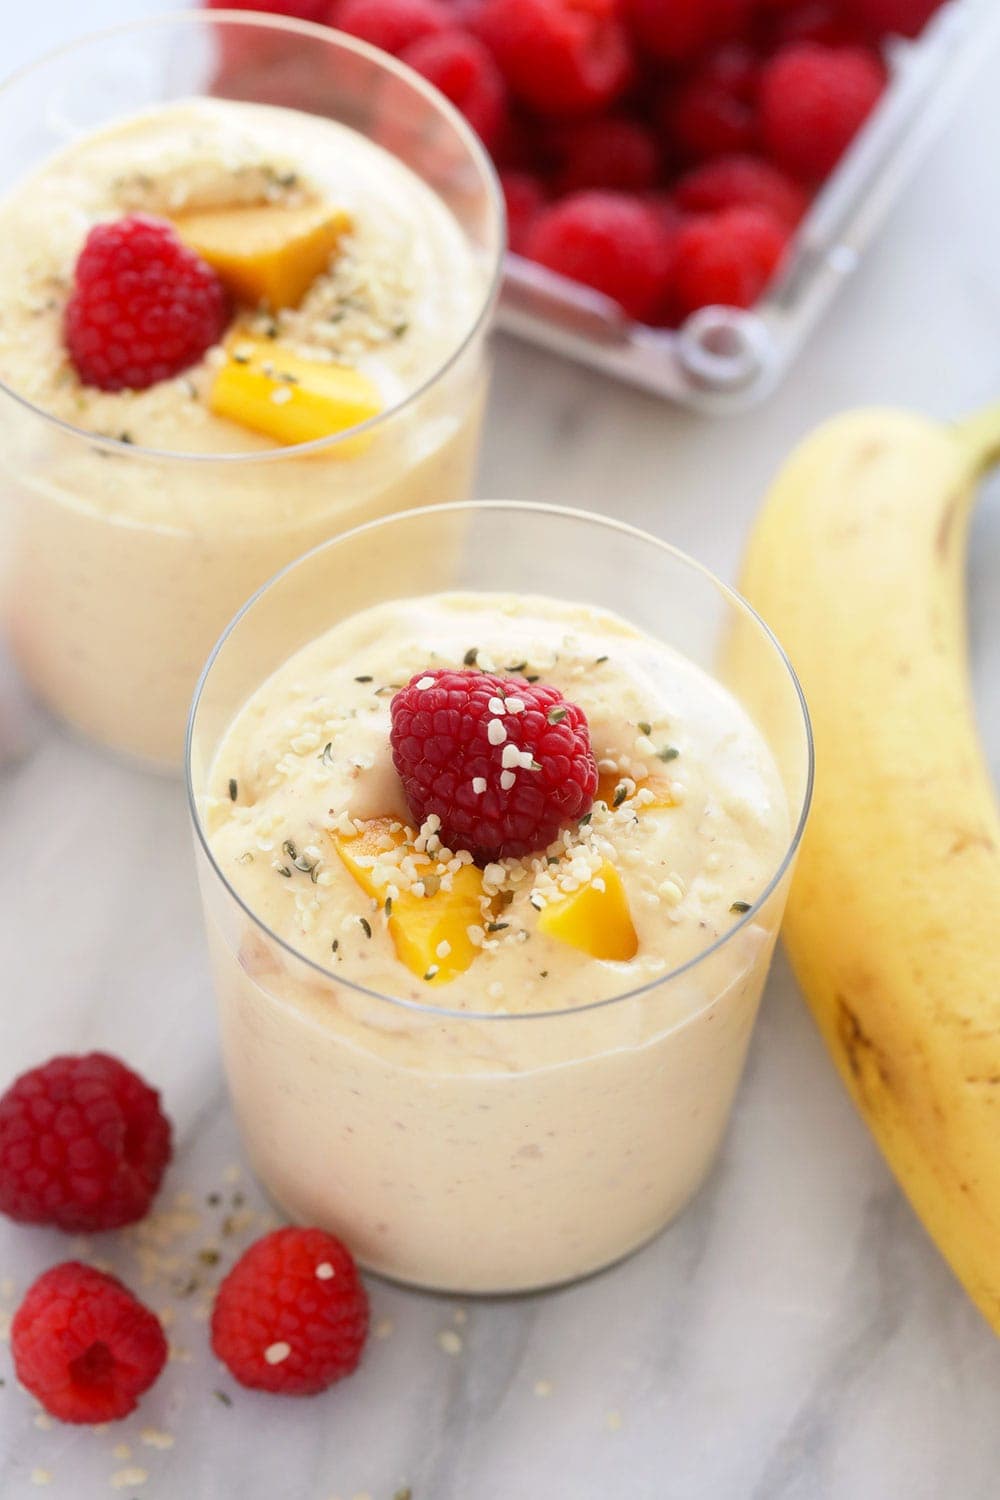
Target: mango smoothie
{"type": "Point", "coordinates": [473, 1069]}
{"type": "Point", "coordinates": [349, 383]}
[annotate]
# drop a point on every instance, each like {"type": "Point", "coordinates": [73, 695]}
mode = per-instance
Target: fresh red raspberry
{"type": "Point", "coordinates": [894, 17]}
{"type": "Point", "coordinates": [457, 746]}
{"type": "Point", "coordinates": [524, 196]}
{"type": "Point", "coordinates": [715, 111]}
{"type": "Point", "coordinates": [679, 30]}
{"type": "Point", "coordinates": [613, 152]}
{"type": "Point", "coordinates": [392, 24]}
{"type": "Point", "coordinates": [610, 241]}
{"type": "Point", "coordinates": [463, 69]}
{"type": "Point", "coordinates": [727, 258]}
{"type": "Point", "coordinates": [559, 57]}
{"type": "Point", "coordinates": [741, 182]}
{"type": "Point", "coordinates": [83, 1144]}
{"type": "Point", "coordinates": [84, 1346]}
{"type": "Point", "coordinates": [823, 21]}
{"type": "Point", "coordinates": [813, 100]}
{"type": "Point", "coordinates": [144, 306]}
{"type": "Point", "coordinates": [292, 1315]}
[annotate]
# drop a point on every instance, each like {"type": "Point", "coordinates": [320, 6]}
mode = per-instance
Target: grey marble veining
{"type": "Point", "coordinates": [794, 1336]}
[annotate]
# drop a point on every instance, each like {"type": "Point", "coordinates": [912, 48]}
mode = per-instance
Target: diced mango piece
{"type": "Point", "coordinates": [609, 781]}
{"type": "Point", "coordinates": [269, 252]}
{"type": "Point", "coordinates": [293, 400]}
{"type": "Point", "coordinates": [596, 919]}
{"type": "Point", "coordinates": [419, 925]}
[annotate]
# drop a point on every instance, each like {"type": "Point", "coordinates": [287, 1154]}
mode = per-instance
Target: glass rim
{"type": "Point", "coordinates": [467, 507]}
{"type": "Point", "coordinates": [266, 21]}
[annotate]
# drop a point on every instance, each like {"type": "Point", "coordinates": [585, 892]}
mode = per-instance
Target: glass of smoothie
{"type": "Point", "coordinates": [494, 1046]}
{"type": "Point", "coordinates": [350, 227]}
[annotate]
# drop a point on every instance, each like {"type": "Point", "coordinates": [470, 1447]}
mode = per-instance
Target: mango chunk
{"type": "Point", "coordinates": [270, 390]}
{"type": "Point", "coordinates": [609, 781]}
{"type": "Point", "coordinates": [595, 920]}
{"type": "Point", "coordinates": [269, 252]}
{"type": "Point", "coordinates": [419, 925]}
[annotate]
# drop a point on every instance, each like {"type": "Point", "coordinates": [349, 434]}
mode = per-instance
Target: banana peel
{"type": "Point", "coordinates": [857, 563]}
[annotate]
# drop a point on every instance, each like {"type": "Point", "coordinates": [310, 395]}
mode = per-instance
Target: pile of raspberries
{"type": "Point", "coordinates": [660, 151]}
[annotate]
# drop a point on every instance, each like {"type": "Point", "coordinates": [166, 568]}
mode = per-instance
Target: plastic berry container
{"type": "Point", "coordinates": [725, 358]}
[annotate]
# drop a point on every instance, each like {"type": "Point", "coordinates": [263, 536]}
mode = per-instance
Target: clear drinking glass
{"type": "Point", "coordinates": [121, 564]}
{"type": "Point", "coordinates": [476, 1151]}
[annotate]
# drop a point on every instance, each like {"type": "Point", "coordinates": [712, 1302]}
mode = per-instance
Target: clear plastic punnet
{"type": "Point", "coordinates": [726, 358]}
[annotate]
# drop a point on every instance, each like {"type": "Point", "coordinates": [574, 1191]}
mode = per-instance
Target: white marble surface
{"type": "Point", "coordinates": [794, 1336]}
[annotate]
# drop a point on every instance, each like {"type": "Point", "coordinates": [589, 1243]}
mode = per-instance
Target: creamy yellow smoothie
{"type": "Point", "coordinates": [521, 1111]}
{"type": "Point", "coordinates": [138, 521]}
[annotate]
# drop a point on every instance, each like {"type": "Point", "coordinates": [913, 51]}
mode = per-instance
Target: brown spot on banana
{"type": "Point", "coordinates": [861, 1052]}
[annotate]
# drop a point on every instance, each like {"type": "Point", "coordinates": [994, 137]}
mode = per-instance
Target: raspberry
{"type": "Point", "coordinates": [609, 241]}
{"type": "Point", "coordinates": [525, 199]}
{"type": "Point", "coordinates": [894, 17]}
{"type": "Point", "coordinates": [292, 1315]}
{"type": "Point", "coordinates": [392, 24]}
{"type": "Point", "coordinates": [83, 1144]}
{"type": "Point", "coordinates": [741, 182]}
{"type": "Point", "coordinates": [816, 21]}
{"type": "Point", "coordinates": [727, 258]}
{"type": "Point", "coordinates": [84, 1346]}
{"type": "Point", "coordinates": [679, 30]}
{"type": "Point", "coordinates": [715, 111]}
{"type": "Point", "coordinates": [559, 57]}
{"type": "Point", "coordinates": [609, 153]}
{"type": "Point", "coordinates": [813, 100]}
{"type": "Point", "coordinates": [463, 69]}
{"type": "Point", "coordinates": [144, 306]}
{"type": "Point", "coordinates": [458, 750]}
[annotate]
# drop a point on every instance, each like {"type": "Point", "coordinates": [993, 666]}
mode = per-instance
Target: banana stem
{"type": "Point", "coordinates": [979, 435]}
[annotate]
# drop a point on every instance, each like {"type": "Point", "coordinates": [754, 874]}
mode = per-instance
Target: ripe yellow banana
{"type": "Point", "coordinates": [893, 924]}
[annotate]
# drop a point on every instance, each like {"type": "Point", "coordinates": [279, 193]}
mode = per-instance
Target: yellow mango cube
{"type": "Point", "coordinates": [293, 400]}
{"type": "Point", "coordinates": [596, 919]}
{"type": "Point", "coordinates": [419, 925]}
{"type": "Point", "coordinates": [270, 252]}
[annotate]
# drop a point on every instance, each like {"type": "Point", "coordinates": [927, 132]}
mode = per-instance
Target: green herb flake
{"type": "Point", "coordinates": [224, 1397]}
{"type": "Point", "coordinates": [557, 713]}
{"type": "Point", "coordinates": [621, 792]}
{"type": "Point", "coordinates": [469, 659]}
{"type": "Point", "coordinates": [432, 972]}
{"type": "Point", "coordinates": [289, 848]}
{"type": "Point", "coordinates": [335, 945]}
{"type": "Point", "coordinates": [739, 907]}
{"type": "Point", "coordinates": [582, 822]}
{"type": "Point", "coordinates": [366, 926]}
{"type": "Point", "coordinates": [388, 906]}
{"type": "Point", "coordinates": [284, 871]}
{"type": "Point", "coordinates": [669, 752]}
{"type": "Point", "coordinates": [497, 926]}
{"type": "Point", "coordinates": [645, 727]}
{"type": "Point", "coordinates": [364, 679]}
{"type": "Point", "coordinates": [600, 661]}
{"type": "Point", "coordinates": [234, 789]}
{"type": "Point", "coordinates": [326, 754]}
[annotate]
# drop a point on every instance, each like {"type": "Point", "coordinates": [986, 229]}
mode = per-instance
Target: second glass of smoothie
{"type": "Point", "coordinates": [138, 521]}
{"type": "Point", "coordinates": [492, 1073]}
